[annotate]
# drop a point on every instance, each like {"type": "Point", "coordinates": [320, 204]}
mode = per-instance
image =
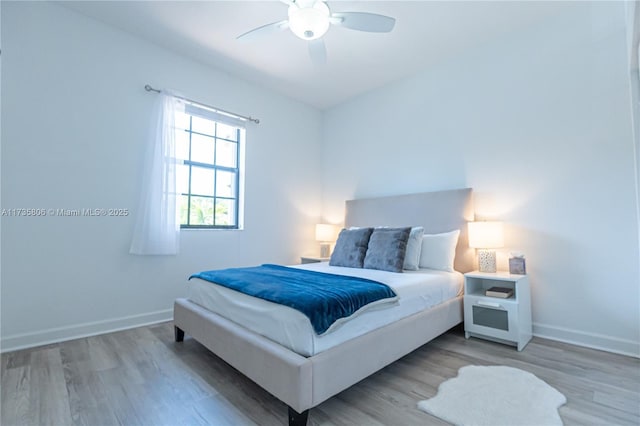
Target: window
{"type": "Point", "coordinates": [209, 176]}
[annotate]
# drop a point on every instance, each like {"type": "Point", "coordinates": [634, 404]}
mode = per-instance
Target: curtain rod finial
{"type": "Point", "coordinates": [150, 89]}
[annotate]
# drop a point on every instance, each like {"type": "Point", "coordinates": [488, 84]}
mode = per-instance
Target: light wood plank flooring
{"type": "Point", "coordinates": [142, 377]}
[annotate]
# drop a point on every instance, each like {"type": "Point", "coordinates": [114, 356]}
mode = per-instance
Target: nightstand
{"type": "Point", "coordinates": [309, 259]}
{"type": "Point", "coordinates": [493, 318]}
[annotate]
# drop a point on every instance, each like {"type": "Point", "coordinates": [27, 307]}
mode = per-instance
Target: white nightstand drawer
{"type": "Point", "coordinates": [491, 316]}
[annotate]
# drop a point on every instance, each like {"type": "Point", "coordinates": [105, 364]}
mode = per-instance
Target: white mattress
{"type": "Point", "coordinates": [416, 290]}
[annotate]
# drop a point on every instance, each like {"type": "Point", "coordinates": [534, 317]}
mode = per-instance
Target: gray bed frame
{"type": "Point", "coordinates": [305, 382]}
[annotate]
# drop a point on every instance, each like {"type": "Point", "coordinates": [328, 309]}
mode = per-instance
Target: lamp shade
{"type": "Point", "coordinates": [486, 235]}
{"type": "Point", "coordinates": [325, 232]}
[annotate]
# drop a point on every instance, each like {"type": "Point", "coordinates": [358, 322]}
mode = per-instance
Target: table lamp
{"type": "Point", "coordinates": [326, 234]}
{"type": "Point", "coordinates": [486, 236]}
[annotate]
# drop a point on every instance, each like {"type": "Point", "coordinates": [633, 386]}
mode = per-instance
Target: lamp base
{"type": "Point", "coordinates": [486, 260]}
{"type": "Point", "coordinates": [325, 249]}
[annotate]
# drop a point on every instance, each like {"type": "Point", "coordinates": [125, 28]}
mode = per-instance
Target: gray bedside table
{"type": "Point", "coordinates": [312, 259]}
{"type": "Point", "coordinates": [503, 320]}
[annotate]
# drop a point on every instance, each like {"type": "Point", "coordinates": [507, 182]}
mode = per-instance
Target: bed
{"type": "Point", "coordinates": [303, 377]}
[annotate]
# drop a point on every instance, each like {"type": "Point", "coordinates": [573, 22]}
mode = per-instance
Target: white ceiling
{"type": "Point", "coordinates": [426, 32]}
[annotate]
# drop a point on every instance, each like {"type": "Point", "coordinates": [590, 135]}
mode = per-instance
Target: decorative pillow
{"type": "Point", "coordinates": [351, 247]}
{"type": "Point", "coordinates": [387, 248]}
{"type": "Point", "coordinates": [414, 247]}
{"type": "Point", "coordinates": [439, 250]}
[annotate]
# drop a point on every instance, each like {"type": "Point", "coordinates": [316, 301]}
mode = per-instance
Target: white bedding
{"type": "Point", "coordinates": [416, 290]}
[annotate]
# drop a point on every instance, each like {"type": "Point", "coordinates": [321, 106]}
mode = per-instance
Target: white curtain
{"type": "Point", "coordinates": [157, 230]}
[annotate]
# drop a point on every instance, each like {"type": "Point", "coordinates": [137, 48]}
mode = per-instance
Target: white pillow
{"type": "Point", "coordinates": [439, 250]}
{"type": "Point", "coordinates": [414, 247]}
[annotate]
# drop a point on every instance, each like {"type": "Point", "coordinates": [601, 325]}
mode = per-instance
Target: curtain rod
{"type": "Point", "coordinates": [148, 88]}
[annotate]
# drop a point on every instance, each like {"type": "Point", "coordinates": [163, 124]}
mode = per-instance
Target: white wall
{"type": "Point", "coordinates": [633, 48]}
{"type": "Point", "coordinates": [75, 116]}
{"type": "Point", "coordinates": [539, 124]}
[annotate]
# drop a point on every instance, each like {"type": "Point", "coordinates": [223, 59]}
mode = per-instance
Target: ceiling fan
{"type": "Point", "coordinates": [311, 19]}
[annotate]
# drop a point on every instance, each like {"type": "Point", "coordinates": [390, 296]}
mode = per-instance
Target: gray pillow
{"type": "Point", "coordinates": [351, 247]}
{"type": "Point", "coordinates": [387, 248]}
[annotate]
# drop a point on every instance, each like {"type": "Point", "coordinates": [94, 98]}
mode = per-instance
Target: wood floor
{"type": "Point", "coordinates": [142, 377]}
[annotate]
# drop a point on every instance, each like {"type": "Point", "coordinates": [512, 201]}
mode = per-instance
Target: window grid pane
{"type": "Point", "coordinates": [202, 181]}
{"type": "Point", "coordinates": [202, 126]}
{"type": "Point", "coordinates": [202, 149]}
{"type": "Point", "coordinates": [208, 179]}
{"type": "Point", "coordinates": [224, 214]}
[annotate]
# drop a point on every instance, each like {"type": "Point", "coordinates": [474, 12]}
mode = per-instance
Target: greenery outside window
{"type": "Point", "coordinates": [209, 149]}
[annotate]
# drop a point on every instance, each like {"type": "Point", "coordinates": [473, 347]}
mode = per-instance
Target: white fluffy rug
{"type": "Point", "coordinates": [495, 396]}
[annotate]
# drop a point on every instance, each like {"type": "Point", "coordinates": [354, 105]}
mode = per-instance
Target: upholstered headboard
{"type": "Point", "coordinates": [437, 212]}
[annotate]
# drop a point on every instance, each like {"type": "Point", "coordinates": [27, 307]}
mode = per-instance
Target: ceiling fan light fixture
{"type": "Point", "coordinates": [309, 23]}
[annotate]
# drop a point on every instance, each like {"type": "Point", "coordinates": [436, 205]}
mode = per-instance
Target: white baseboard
{"type": "Point", "coordinates": [589, 340]}
{"type": "Point", "coordinates": [61, 334]}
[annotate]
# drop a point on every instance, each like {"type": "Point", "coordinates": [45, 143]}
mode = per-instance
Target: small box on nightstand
{"type": "Point", "coordinates": [517, 266]}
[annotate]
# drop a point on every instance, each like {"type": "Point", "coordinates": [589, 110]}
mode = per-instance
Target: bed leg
{"type": "Point", "coordinates": [298, 419]}
{"type": "Point", "coordinates": [178, 333]}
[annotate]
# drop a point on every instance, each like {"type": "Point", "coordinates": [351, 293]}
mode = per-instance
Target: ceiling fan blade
{"type": "Point", "coordinates": [318, 52]}
{"type": "Point", "coordinates": [264, 30]}
{"type": "Point", "coordinates": [363, 21]}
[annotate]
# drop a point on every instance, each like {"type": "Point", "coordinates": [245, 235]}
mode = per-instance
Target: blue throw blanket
{"type": "Point", "coordinates": [323, 298]}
